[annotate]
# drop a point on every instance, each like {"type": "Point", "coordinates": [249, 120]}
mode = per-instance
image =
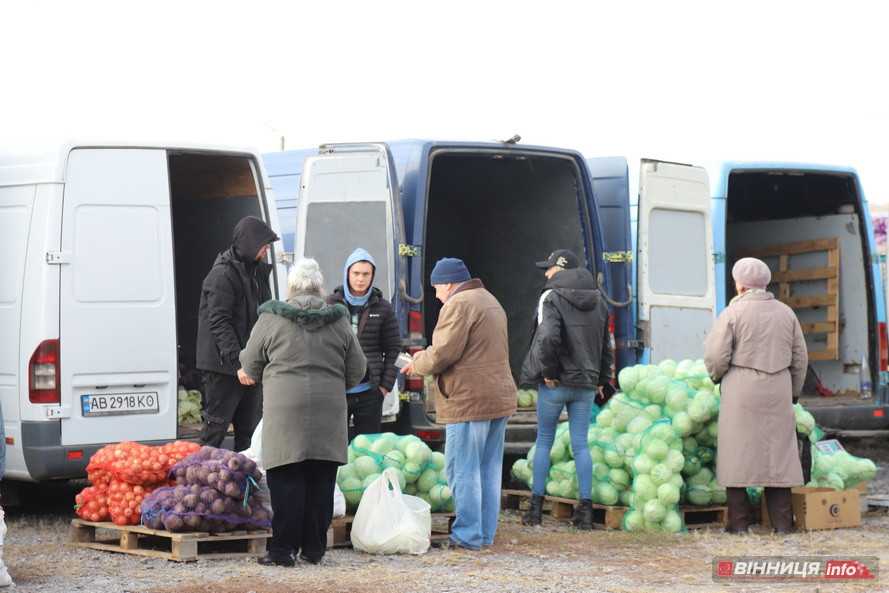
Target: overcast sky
{"type": "Point", "coordinates": [684, 81]}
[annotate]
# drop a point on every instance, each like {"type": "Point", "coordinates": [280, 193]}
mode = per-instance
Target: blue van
{"type": "Point", "coordinates": [810, 222]}
{"type": "Point", "coordinates": [498, 206]}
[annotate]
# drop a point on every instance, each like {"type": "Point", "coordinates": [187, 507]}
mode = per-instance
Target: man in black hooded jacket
{"type": "Point", "coordinates": [231, 293]}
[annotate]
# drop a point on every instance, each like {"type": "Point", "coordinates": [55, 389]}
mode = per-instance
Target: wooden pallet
{"type": "Point", "coordinates": [181, 547]}
{"type": "Point", "coordinates": [338, 536]}
{"type": "Point", "coordinates": [877, 502]}
{"type": "Point", "coordinates": [611, 517]}
{"type": "Point", "coordinates": [784, 278]}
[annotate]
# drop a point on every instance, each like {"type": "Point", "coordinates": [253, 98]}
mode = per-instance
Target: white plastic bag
{"type": "Point", "coordinates": [389, 522]}
{"type": "Point", "coordinates": [254, 453]}
{"type": "Point", "coordinates": [5, 579]}
{"type": "Point", "coordinates": [339, 502]}
{"type": "Point", "coordinates": [392, 402]}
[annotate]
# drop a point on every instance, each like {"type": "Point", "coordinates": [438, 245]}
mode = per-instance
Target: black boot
{"type": "Point", "coordinates": [583, 515]}
{"type": "Point", "coordinates": [535, 511]}
{"type": "Point", "coordinates": [779, 502]}
{"type": "Point", "coordinates": [738, 511]}
{"type": "Point", "coordinates": [276, 560]}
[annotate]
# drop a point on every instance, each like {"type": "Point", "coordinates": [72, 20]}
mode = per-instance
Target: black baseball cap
{"type": "Point", "coordinates": [563, 258]}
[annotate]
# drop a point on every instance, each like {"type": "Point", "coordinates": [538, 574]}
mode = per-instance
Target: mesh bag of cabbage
{"type": "Point", "coordinates": [839, 469]}
{"type": "Point", "coordinates": [232, 474]}
{"type": "Point", "coordinates": [526, 398]}
{"type": "Point", "coordinates": [691, 402]}
{"type": "Point", "coordinates": [203, 508]}
{"type": "Point", "coordinates": [657, 481]}
{"type": "Point", "coordinates": [698, 471]}
{"type": "Point", "coordinates": [419, 470]}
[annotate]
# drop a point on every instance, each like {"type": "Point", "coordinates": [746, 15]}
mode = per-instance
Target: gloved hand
{"type": "Point", "coordinates": [604, 394]}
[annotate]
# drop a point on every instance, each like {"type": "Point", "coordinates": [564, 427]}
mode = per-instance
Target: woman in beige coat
{"type": "Point", "coordinates": [758, 352]}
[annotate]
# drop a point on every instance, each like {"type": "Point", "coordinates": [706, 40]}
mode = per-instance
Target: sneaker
{"type": "Point", "coordinates": [455, 543]}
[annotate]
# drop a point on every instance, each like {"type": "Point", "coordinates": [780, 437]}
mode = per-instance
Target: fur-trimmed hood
{"type": "Point", "coordinates": [308, 311]}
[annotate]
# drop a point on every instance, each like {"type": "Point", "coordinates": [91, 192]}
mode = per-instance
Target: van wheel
{"type": "Point", "coordinates": [11, 494]}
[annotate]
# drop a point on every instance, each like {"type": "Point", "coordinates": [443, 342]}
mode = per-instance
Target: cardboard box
{"type": "Point", "coordinates": [862, 496]}
{"type": "Point", "coordinates": [822, 508]}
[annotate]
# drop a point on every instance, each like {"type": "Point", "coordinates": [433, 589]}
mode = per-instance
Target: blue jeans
{"type": "Point", "coordinates": [549, 407]}
{"type": "Point", "coordinates": [474, 466]}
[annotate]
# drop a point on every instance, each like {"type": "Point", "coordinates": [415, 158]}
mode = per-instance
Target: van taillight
{"type": "Point", "coordinates": [414, 382]}
{"type": "Point", "coordinates": [44, 375]}
{"type": "Point", "coordinates": [415, 331]}
{"type": "Point", "coordinates": [431, 436]}
{"type": "Point", "coordinates": [884, 348]}
{"type": "Point", "coordinates": [415, 323]}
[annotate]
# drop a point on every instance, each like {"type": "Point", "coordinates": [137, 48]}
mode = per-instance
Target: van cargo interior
{"type": "Point", "coordinates": [501, 214]}
{"type": "Point", "coordinates": [768, 209]}
{"type": "Point", "coordinates": [209, 194]}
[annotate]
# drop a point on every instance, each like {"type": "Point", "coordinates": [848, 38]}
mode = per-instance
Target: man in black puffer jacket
{"type": "Point", "coordinates": [569, 360]}
{"type": "Point", "coordinates": [374, 322]}
{"type": "Point", "coordinates": [231, 293]}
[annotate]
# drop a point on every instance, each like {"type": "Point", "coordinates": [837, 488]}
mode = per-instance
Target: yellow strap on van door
{"type": "Point", "coordinates": [408, 250]}
{"type": "Point", "coordinates": [618, 257]}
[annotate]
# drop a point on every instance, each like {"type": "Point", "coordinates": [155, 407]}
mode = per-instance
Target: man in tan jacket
{"type": "Point", "coordinates": [475, 395]}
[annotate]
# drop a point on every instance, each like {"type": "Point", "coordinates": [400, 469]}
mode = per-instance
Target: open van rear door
{"type": "Point", "coordinates": [611, 192]}
{"type": "Point", "coordinates": [349, 198]}
{"type": "Point", "coordinates": [117, 304]}
{"type": "Point", "coordinates": [676, 281]}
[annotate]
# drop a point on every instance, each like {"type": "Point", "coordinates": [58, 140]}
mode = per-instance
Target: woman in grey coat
{"type": "Point", "coordinates": [306, 356]}
{"type": "Point", "coordinates": [758, 352]}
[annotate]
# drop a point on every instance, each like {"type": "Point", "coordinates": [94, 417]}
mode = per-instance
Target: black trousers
{"type": "Point", "coordinates": [226, 402]}
{"type": "Point", "coordinates": [366, 411]}
{"type": "Point", "coordinates": [302, 503]}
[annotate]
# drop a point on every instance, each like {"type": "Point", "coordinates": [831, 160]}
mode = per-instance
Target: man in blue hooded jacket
{"type": "Point", "coordinates": [374, 322]}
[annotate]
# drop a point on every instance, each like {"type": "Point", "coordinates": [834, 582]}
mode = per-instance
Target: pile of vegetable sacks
{"type": "Point", "coordinates": [420, 470]}
{"type": "Point", "coordinates": [215, 490]}
{"type": "Point", "coordinates": [657, 438]}
{"type": "Point", "coordinates": [122, 475]}
{"type": "Point", "coordinates": [652, 447]}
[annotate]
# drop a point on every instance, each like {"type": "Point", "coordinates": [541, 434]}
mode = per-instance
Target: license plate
{"type": "Point", "coordinates": [118, 404]}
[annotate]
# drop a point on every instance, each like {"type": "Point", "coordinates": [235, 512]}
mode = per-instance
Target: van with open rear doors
{"type": "Point", "coordinates": [106, 246]}
{"type": "Point", "coordinates": [688, 226]}
{"type": "Point", "coordinates": [498, 206]}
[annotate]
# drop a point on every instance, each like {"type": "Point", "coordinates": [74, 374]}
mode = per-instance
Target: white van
{"type": "Point", "coordinates": [105, 247]}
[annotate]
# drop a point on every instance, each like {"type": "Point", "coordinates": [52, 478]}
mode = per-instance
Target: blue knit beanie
{"type": "Point", "coordinates": [449, 270]}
